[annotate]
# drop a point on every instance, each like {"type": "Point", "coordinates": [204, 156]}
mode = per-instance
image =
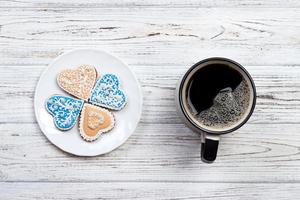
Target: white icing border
{"type": "Point", "coordinates": [81, 129]}
{"type": "Point", "coordinates": [109, 107]}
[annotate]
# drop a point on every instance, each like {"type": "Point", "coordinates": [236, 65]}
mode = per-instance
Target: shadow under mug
{"type": "Point", "coordinates": [210, 138]}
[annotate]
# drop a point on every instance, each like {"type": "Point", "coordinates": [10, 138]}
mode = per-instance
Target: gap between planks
{"type": "Point", "coordinates": [159, 181]}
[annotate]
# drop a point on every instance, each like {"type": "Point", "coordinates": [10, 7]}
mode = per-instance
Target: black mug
{"type": "Point", "coordinates": [214, 97]}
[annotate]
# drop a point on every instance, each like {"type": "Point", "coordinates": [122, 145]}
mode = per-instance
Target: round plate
{"type": "Point", "coordinates": [126, 119]}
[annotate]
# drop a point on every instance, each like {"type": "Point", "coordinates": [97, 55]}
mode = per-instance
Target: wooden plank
{"type": "Point", "coordinates": [260, 36]}
{"type": "Point", "coordinates": [162, 149]}
{"type": "Point", "coordinates": [162, 152]}
{"type": "Point", "coordinates": [220, 191]}
{"type": "Point", "coordinates": [166, 3]}
{"type": "Point", "coordinates": [277, 90]}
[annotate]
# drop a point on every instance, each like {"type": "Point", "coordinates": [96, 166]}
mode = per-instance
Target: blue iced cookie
{"type": "Point", "coordinates": [106, 93]}
{"type": "Point", "coordinates": [65, 110]}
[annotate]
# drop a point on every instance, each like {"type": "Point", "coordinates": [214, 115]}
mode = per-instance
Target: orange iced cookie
{"type": "Point", "coordinates": [78, 82]}
{"type": "Point", "coordinates": [95, 120]}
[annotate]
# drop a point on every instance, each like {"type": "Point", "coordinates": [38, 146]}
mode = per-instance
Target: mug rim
{"type": "Point", "coordinates": [184, 110]}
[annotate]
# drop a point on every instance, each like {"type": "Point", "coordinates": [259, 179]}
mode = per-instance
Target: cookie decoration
{"type": "Point", "coordinates": [78, 82]}
{"type": "Point", "coordinates": [65, 110]}
{"type": "Point", "coordinates": [94, 121]}
{"type": "Point", "coordinates": [106, 93]}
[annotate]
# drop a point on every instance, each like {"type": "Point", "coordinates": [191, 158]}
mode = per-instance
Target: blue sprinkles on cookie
{"type": "Point", "coordinates": [65, 110]}
{"type": "Point", "coordinates": [106, 93]}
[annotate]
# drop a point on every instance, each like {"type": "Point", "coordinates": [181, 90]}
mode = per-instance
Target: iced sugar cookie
{"type": "Point", "coordinates": [106, 93]}
{"type": "Point", "coordinates": [65, 110]}
{"type": "Point", "coordinates": [94, 121]}
{"type": "Point", "coordinates": [78, 82]}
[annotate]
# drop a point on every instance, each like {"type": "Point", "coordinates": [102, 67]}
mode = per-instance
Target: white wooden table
{"type": "Point", "coordinates": [159, 40]}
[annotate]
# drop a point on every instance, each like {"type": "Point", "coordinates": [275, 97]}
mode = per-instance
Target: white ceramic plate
{"type": "Point", "coordinates": [126, 119]}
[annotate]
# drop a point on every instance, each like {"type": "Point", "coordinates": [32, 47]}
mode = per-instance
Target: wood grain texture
{"type": "Point", "coordinates": [152, 3]}
{"type": "Point", "coordinates": [159, 40]}
{"type": "Point", "coordinates": [260, 36]}
{"type": "Point", "coordinates": [165, 191]}
{"type": "Point", "coordinates": [158, 153]}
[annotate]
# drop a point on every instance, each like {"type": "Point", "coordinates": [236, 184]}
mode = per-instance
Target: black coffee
{"type": "Point", "coordinates": [218, 96]}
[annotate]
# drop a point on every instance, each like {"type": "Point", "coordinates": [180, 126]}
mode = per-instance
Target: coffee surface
{"type": "Point", "coordinates": [218, 96]}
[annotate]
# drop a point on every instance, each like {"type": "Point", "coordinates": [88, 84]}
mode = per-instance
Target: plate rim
{"type": "Point", "coordinates": [62, 54]}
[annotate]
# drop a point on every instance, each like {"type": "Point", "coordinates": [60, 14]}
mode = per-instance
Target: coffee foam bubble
{"type": "Point", "coordinates": [229, 107]}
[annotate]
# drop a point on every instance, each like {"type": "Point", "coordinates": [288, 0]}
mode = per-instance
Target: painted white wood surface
{"type": "Point", "coordinates": [159, 40]}
{"type": "Point", "coordinates": [148, 3]}
{"type": "Point", "coordinates": [112, 190]}
{"type": "Point", "coordinates": [153, 35]}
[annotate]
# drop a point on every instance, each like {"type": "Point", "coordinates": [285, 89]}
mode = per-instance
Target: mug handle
{"type": "Point", "coordinates": [209, 147]}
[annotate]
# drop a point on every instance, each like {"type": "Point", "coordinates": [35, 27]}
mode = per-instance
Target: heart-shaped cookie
{"type": "Point", "coordinates": [94, 121]}
{"type": "Point", "coordinates": [78, 82]}
{"type": "Point", "coordinates": [107, 93]}
{"type": "Point", "coordinates": [65, 110]}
